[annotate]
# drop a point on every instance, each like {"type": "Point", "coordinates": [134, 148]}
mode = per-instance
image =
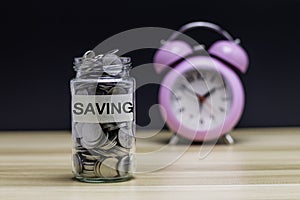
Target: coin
{"type": "Point", "coordinates": [78, 129]}
{"type": "Point", "coordinates": [91, 172]}
{"type": "Point", "coordinates": [82, 92]}
{"type": "Point", "coordinates": [117, 90]}
{"type": "Point", "coordinates": [88, 167]}
{"type": "Point", "coordinates": [109, 126]}
{"type": "Point", "coordinates": [119, 150]}
{"type": "Point", "coordinates": [75, 134]}
{"type": "Point", "coordinates": [122, 124]}
{"type": "Point", "coordinates": [92, 136]}
{"type": "Point", "coordinates": [90, 157]}
{"type": "Point", "coordinates": [97, 169]}
{"type": "Point", "coordinates": [77, 164]}
{"type": "Point", "coordinates": [125, 138]}
{"type": "Point", "coordinates": [111, 59]}
{"type": "Point", "coordinates": [102, 89]}
{"type": "Point", "coordinates": [112, 64]}
{"type": "Point", "coordinates": [88, 174]}
{"type": "Point", "coordinates": [108, 168]}
{"type": "Point", "coordinates": [88, 145]}
{"type": "Point", "coordinates": [124, 166]}
{"type": "Point", "coordinates": [80, 149]}
{"type": "Point", "coordinates": [113, 126]}
{"type": "Point", "coordinates": [102, 153]}
{"type": "Point", "coordinates": [91, 132]}
{"type": "Point", "coordinates": [109, 145]}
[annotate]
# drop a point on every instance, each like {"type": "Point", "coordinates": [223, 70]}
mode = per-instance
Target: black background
{"type": "Point", "coordinates": [40, 39]}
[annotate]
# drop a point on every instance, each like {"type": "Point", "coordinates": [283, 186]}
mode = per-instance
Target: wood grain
{"type": "Point", "coordinates": [263, 164]}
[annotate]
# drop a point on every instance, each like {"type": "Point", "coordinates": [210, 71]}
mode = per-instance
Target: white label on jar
{"type": "Point", "coordinates": [102, 108]}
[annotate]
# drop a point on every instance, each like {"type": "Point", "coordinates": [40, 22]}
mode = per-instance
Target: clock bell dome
{"type": "Point", "coordinates": [232, 53]}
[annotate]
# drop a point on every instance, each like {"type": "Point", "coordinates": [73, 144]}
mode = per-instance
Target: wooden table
{"type": "Point", "coordinates": [263, 164]}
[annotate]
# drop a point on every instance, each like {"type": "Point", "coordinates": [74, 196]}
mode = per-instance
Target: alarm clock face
{"type": "Point", "coordinates": [201, 99]}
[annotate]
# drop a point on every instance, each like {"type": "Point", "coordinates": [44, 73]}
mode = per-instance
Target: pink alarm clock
{"type": "Point", "coordinates": [202, 97]}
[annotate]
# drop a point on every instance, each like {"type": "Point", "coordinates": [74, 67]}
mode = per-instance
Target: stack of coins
{"type": "Point", "coordinates": [103, 150]}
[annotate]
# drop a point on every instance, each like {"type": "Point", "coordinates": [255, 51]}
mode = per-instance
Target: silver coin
{"type": "Point", "coordinates": [111, 59]}
{"type": "Point", "coordinates": [112, 64]}
{"type": "Point", "coordinates": [91, 157]}
{"type": "Point", "coordinates": [112, 141]}
{"type": "Point", "coordinates": [88, 175]}
{"type": "Point", "coordinates": [108, 168]}
{"type": "Point", "coordinates": [91, 132]}
{"type": "Point", "coordinates": [108, 125]}
{"type": "Point", "coordinates": [84, 171]}
{"type": "Point", "coordinates": [88, 167]}
{"type": "Point", "coordinates": [117, 90]}
{"type": "Point", "coordinates": [122, 124]}
{"type": "Point", "coordinates": [117, 153]}
{"type": "Point", "coordinates": [84, 86]}
{"type": "Point", "coordinates": [111, 127]}
{"type": "Point", "coordinates": [88, 162]}
{"type": "Point", "coordinates": [78, 128]}
{"type": "Point", "coordinates": [104, 87]}
{"type": "Point", "coordinates": [109, 145]}
{"type": "Point", "coordinates": [102, 153]}
{"type": "Point", "coordinates": [80, 149]}
{"type": "Point", "coordinates": [77, 164]}
{"type": "Point", "coordinates": [92, 136]}
{"type": "Point", "coordinates": [124, 166]}
{"type": "Point", "coordinates": [75, 134]}
{"type": "Point", "coordinates": [125, 138]}
{"type": "Point", "coordinates": [89, 145]}
{"type": "Point", "coordinates": [82, 92]}
{"type": "Point", "coordinates": [103, 139]}
{"type": "Point", "coordinates": [120, 151]}
{"type": "Point", "coordinates": [97, 169]}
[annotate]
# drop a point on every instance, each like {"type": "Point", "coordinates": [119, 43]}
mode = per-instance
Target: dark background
{"type": "Point", "coordinates": [40, 39]}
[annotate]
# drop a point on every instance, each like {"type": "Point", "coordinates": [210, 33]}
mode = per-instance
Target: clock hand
{"type": "Point", "coordinates": [210, 92]}
{"type": "Point", "coordinates": [213, 110]}
{"type": "Point", "coordinates": [189, 89]}
{"type": "Point", "coordinates": [202, 98]}
{"type": "Point", "coordinates": [200, 107]}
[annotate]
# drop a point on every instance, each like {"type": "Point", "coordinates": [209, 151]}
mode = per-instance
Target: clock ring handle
{"type": "Point", "coordinates": [206, 25]}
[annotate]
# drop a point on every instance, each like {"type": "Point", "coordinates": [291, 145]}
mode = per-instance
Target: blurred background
{"type": "Point", "coordinates": [39, 40]}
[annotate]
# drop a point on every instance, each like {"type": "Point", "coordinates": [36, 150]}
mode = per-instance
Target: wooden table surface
{"type": "Point", "coordinates": [263, 164]}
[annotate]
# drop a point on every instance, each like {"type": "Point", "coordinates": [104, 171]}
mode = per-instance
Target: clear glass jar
{"type": "Point", "coordinates": [103, 118]}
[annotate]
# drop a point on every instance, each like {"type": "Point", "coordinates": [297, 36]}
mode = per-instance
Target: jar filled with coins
{"type": "Point", "coordinates": [103, 118]}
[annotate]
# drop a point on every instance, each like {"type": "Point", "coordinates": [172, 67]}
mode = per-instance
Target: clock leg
{"type": "Point", "coordinates": [227, 139]}
{"type": "Point", "coordinates": [174, 140]}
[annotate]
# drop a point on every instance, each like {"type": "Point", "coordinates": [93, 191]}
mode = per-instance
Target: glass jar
{"type": "Point", "coordinates": [103, 118]}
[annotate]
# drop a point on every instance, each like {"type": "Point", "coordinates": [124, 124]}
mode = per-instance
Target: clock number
{"type": "Point", "coordinates": [181, 110]}
{"type": "Point", "coordinates": [201, 121]}
{"type": "Point", "coordinates": [199, 76]}
{"type": "Point", "coordinates": [190, 78]}
{"type": "Point", "coordinates": [221, 109]}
